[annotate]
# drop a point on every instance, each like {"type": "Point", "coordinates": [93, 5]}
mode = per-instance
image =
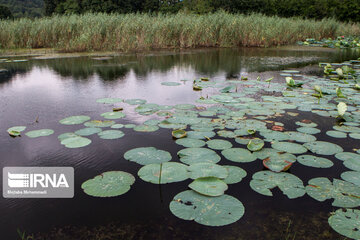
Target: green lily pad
{"type": "Point", "coordinates": [88, 131]}
{"type": "Point", "coordinates": [353, 164]}
{"type": "Point", "coordinates": [345, 194]}
{"type": "Point", "coordinates": [209, 211]}
{"type": "Point", "coordinates": [209, 186]}
{"type": "Point", "coordinates": [16, 131]}
{"type": "Point", "coordinates": [289, 147]}
{"type": "Point", "coordinates": [351, 176]}
{"type": "Point", "coordinates": [109, 100]}
{"type": "Point", "coordinates": [147, 155]}
{"type": "Point", "coordinates": [135, 101]}
{"type": "Point", "coordinates": [184, 106]}
{"type": "Point", "coordinates": [236, 174]}
{"type": "Point", "coordinates": [111, 134]}
{"type": "Point", "coordinates": [301, 137]}
{"type": "Point", "coordinates": [113, 115]}
{"type": "Point", "coordinates": [278, 162]}
{"type": "Point", "coordinates": [130, 125]}
{"type": "Point", "coordinates": [226, 134]}
{"type": "Point", "coordinates": [218, 144]}
{"type": "Point", "coordinates": [179, 133]}
{"type": "Point", "coordinates": [146, 128]}
{"type": "Point", "coordinates": [196, 155]}
{"type": "Point", "coordinates": [73, 120]}
{"type": "Point", "coordinates": [313, 161]}
{"type": "Point", "coordinates": [238, 155]}
{"type": "Point", "coordinates": [64, 136]}
{"type": "Point", "coordinates": [306, 124]}
{"type": "Point", "coordinates": [308, 130]}
{"type": "Point", "coordinates": [292, 186]}
{"type": "Point", "coordinates": [346, 222]}
{"type": "Point", "coordinates": [108, 184]}
{"type": "Point", "coordinates": [170, 83]}
{"type": "Point", "coordinates": [98, 123]}
{"type": "Point", "coordinates": [117, 126]}
{"type": "Point", "coordinates": [39, 133]}
{"type": "Point", "coordinates": [170, 172]}
{"type": "Point", "coordinates": [200, 134]}
{"type": "Point", "coordinates": [190, 143]}
{"type": "Point", "coordinates": [336, 134]}
{"type": "Point", "coordinates": [206, 169]}
{"type": "Point", "coordinates": [323, 148]}
{"type": "Point", "coordinates": [345, 156]}
{"type": "Point", "coordinates": [275, 135]}
{"type": "Point", "coordinates": [355, 135]}
{"type": "Point", "coordinates": [255, 144]}
{"type": "Point", "coordinates": [74, 141]}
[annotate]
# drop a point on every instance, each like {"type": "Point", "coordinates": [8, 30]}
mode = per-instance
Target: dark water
{"type": "Point", "coordinates": [51, 89]}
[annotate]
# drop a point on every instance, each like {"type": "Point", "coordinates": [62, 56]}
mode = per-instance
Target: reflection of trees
{"type": "Point", "coordinates": [204, 62]}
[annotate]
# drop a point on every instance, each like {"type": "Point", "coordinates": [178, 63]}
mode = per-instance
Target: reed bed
{"type": "Point", "coordinates": [129, 32]}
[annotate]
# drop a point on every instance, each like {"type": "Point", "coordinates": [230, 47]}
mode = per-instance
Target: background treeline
{"type": "Point", "coordinates": [21, 8]}
{"type": "Point", "coordinates": [343, 10]}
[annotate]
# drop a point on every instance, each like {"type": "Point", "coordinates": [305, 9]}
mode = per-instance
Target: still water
{"type": "Point", "coordinates": [51, 89]}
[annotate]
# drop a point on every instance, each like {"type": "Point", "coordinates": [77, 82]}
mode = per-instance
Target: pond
{"type": "Point", "coordinates": [39, 92]}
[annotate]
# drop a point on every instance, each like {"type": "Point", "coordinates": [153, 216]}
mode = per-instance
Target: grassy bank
{"type": "Point", "coordinates": [115, 32]}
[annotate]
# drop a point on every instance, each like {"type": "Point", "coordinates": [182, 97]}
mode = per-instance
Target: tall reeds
{"type": "Point", "coordinates": [126, 32]}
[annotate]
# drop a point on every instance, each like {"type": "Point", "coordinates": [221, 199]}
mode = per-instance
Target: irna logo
{"type": "Point", "coordinates": [18, 180]}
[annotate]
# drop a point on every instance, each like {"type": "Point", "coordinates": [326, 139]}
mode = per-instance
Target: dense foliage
{"type": "Point", "coordinates": [5, 12]}
{"type": "Point", "coordinates": [343, 10]}
{"type": "Point", "coordinates": [24, 8]}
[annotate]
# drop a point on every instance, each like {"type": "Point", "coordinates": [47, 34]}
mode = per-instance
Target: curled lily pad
{"type": "Point", "coordinates": [146, 128]}
{"type": "Point", "coordinates": [292, 186]}
{"type": "Point", "coordinates": [16, 131]}
{"type": "Point", "coordinates": [108, 184]}
{"type": "Point", "coordinates": [209, 211]}
{"type": "Point", "coordinates": [236, 174]}
{"type": "Point", "coordinates": [219, 144]}
{"type": "Point", "coordinates": [111, 134]}
{"type": "Point", "coordinates": [289, 147]}
{"type": "Point", "coordinates": [74, 141]}
{"type": "Point", "coordinates": [279, 161]}
{"type": "Point", "coordinates": [73, 120]}
{"type": "Point", "coordinates": [113, 115]}
{"type": "Point", "coordinates": [109, 100]}
{"type": "Point", "coordinates": [209, 186]}
{"type": "Point", "coordinates": [351, 176]}
{"type": "Point", "coordinates": [206, 169]}
{"type": "Point", "coordinates": [255, 144]}
{"type": "Point", "coordinates": [345, 194]}
{"type": "Point", "coordinates": [147, 155]}
{"type": "Point", "coordinates": [196, 155]}
{"type": "Point", "coordinates": [313, 161]}
{"type": "Point", "coordinates": [39, 133]}
{"type": "Point", "coordinates": [346, 222]}
{"type": "Point", "coordinates": [238, 155]}
{"type": "Point", "coordinates": [88, 131]}
{"type": "Point", "coordinates": [170, 83]}
{"type": "Point", "coordinates": [170, 172]}
{"type": "Point", "coordinates": [98, 123]}
{"type": "Point", "coordinates": [190, 143]}
{"type": "Point", "coordinates": [323, 148]}
{"type": "Point", "coordinates": [180, 133]}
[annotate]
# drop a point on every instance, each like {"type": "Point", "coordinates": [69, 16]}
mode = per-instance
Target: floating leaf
{"type": "Point", "coordinates": [170, 83]}
{"type": "Point", "coordinates": [117, 126]}
{"type": "Point", "coordinates": [190, 143]}
{"type": "Point", "coordinates": [206, 169]}
{"type": "Point", "coordinates": [73, 120]}
{"type": "Point", "coordinates": [346, 222]}
{"type": "Point", "coordinates": [289, 147]}
{"type": "Point", "coordinates": [292, 186]}
{"type": "Point", "coordinates": [323, 148]}
{"type": "Point", "coordinates": [147, 155]}
{"type": "Point", "coordinates": [219, 144]}
{"type": "Point", "coordinates": [351, 176]}
{"type": "Point", "coordinates": [146, 128]}
{"type": "Point", "coordinates": [180, 133]}
{"type": "Point", "coordinates": [184, 106]}
{"type": "Point", "coordinates": [170, 172]}
{"type": "Point", "coordinates": [109, 184]}
{"type": "Point", "coordinates": [209, 211]}
{"type": "Point", "coordinates": [336, 134]}
{"type": "Point", "coordinates": [111, 134]}
{"type": "Point", "coordinates": [238, 155]}
{"type": "Point", "coordinates": [313, 161]}
{"type": "Point", "coordinates": [308, 130]}
{"type": "Point", "coordinates": [98, 123]}
{"type": "Point", "coordinates": [345, 194]}
{"type": "Point", "coordinates": [74, 141]}
{"type": "Point", "coordinates": [196, 155]}
{"type": "Point", "coordinates": [278, 162]}
{"type": "Point", "coordinates": [255, 144]}
{"type": "Point", "coordinates": [135, 101]}
{"type": "Point", "coordinates": [200, 134]}
{"type": "Point", "coordinates": [209, 186]}
{"type": "Point", "coordinates": [113, 115]}
{"type": "Point", "coordinates": [16, 131]}
{"type": "Point", "coordinates": [236, 174]}
{"type": "Point", "coordinates": [88, 131]}
{"type": "Point", "coordinates": [39, 133]}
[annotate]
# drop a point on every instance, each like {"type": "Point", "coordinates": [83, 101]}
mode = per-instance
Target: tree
{"type": "Point", "coordinates": [5, 12]}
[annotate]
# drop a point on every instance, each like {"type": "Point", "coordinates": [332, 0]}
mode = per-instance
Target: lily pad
{"type": "Point", "coordinates": [301, 137]}
{"type": "Point", "coordinates": [209, 186]}
{"type": "Point", "coordinates": [117, 126]}
{"type": "Point", "coordinates": [323, 148]}
{"type": "Point", "coordinates": [238, 155]}
{"type": "Point", "coordinates": [206, 169]}
{"type": "Point", "coordinates": [236, 174]}
{"type": "Point", "coordinates": [200, 134]}
{"type": "Point", "coordinates": [135, 101]}
{"type": "Point", "coordinates": [16, 131]}
{"type": "Point", "coordinates": [170, 83]}
{"type": "Point", "coordinates": [308, 130]}
{"type": "Point", "coordinates": [111, 134]}
{"type": "Point", "coordinates": [74, 141]}
{"type": "Point", "coordinates": [113, 115]}
{"type": "Point", "coordinates": [346, 222]}
{"type": "Point", "coordinates": [147, 155]}
{"type": "Point", "coordinates": [196, 155]}
{"type": "Point", "coordinates": [109, 184]}
{"type": "Point", "coordinates": [184, 106]}
{"type": "Point", "coordinates": [351, 176]}
{"type": "Point", "coordinates": [73, 120]}
{"type": "Point", "coordinates": [146, 128]}
{"type": "Point", "coordinates": [313, 161]}
{"type": "Point", "coordinates": [180, 133]}
{"type": "Point", "coordinates": [345, 194]}
{"type": "Point", "coordinates": [336, 134]}
{"type": "Point", "coordinates": [209, 211]}
{"type": "Point", "coordinates": [278, 162]}
{"type": "Point", "coordinates": [39, 133]}
{"type": "Point", "coordinates": [170, 172]}
{"type": "Point", "coordinates": [255, 144]}
{"type": "Point", "coordinates": [292, 186]}
{"type": "Point", "coordinates": [219, 144]}
{"type": "Point", "coordinates": [289, 147]}
{"type": "Point", "coordinates": [190, 143]}
{"type": "Point", "coordinates": [88, 131]}
{"type": "Point", "coordinates": [98, 123]}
